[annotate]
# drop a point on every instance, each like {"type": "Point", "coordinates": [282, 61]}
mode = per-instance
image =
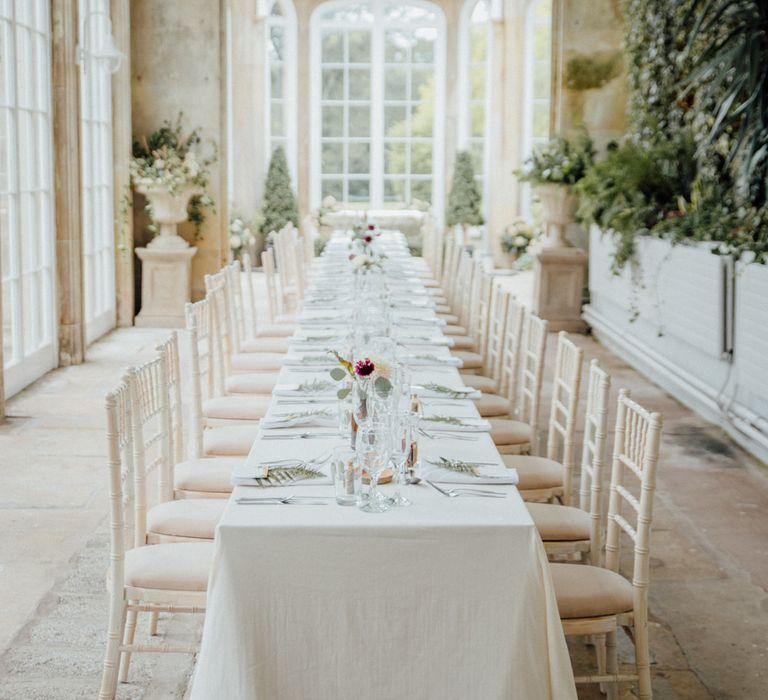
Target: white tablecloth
{"type": "Point", "coordinates": [450, 598]}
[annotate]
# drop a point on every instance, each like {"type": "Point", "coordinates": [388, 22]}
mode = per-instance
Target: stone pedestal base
{"type": "Point", "coordinates": [166, 285]}
{"type": "Point", "coordinates": [557, 287]}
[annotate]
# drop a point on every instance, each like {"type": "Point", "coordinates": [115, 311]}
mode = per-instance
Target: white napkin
{"type": "Point", "coordinates": [298, 390]}
{"type": "Point", "coordinates": [329, 420]}
{"type": "Point", "coordinates": [426, 359]}
{"type": "Point", "coordinates": [313, 360]}
{"type": "Point", "coordinates": [436, 341]}
{"type": "Point", "coordinates": [467, 425]}
{"type": "Point", "coordinates": [486, 475]}
{"type": "Point", "coordinates": [466, 393]}
{"type": "Point", "coordinates": [307, 320]}
{"type": "Point", "coordinates": [419, 321]}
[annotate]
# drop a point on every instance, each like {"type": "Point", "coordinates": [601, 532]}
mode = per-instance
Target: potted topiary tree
{"type": "Point", "coordinates": [464, 200]}
{"type": "Point", "coordinates": [279, 201]}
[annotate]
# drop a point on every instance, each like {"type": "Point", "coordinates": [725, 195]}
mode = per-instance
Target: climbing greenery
{"type": "Point", "coordinates": [694, 165]}
{"type": "Point", "coordinates": [465, 200]}
{"type": "Point", "coordinates": [280, 205]}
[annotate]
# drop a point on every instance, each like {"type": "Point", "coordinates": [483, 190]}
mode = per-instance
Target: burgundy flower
{"type": "Point", "coordinates": [364, 368]}
{"type": "Point", "coordinates": [371, 227]}
{"type": "Point", "coordinates": [368, 239]}
{"type": "Point", "coordinates": [352, 256]}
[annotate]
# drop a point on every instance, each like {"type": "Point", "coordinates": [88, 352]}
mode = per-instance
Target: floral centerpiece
{"type": "Point", "coordinates": [363, 372]}
{"type": "Point", "coordinates": [517, 237]}
{"type": "Point", "coordinates": [169, 170]}
{"type": "Point", "coordinates": [241, 235]}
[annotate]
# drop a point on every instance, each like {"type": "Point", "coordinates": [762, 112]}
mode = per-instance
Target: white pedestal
{"type": "Point", "coordinates": [558, 284]}
{"type": "Point", "coordinates": [166, 286]}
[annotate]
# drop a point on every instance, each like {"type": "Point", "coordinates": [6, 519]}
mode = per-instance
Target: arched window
{"type": "Point", "coordinates": [378, 103]}
{"type": "Point", "coordinates": [281, 80]}
{"type": "Point", "coordinates": [96, 174]}
{"type": "Point", "coordinates": [26, 193]}
{"type": "Point", "coordinates": [538, 84]}
{"type": "Point", "coordinates": [475, 84]}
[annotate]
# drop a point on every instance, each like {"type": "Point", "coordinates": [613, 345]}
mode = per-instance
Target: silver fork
{"type": "Point", "coordinates": [301, 436]}
{"type": "Point", "coordinates": [446, 436]}
{"type": "Point", "coordinates": [455, 493]}
{"type": "Point", "coordinates": [286, 501]}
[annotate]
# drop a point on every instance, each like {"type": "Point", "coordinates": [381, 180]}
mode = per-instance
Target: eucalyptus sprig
{"type": "Point", "coordinates": [445, 390]}
{"type": "Point", "coordinates": [459, 466]}
{"type": "Point", "coordinates": [285, 475]}
{"type": "Point", "coordinates": [314, 386]}
{"type": "Point", "coordinates": [315, 413]}
{"type": "Point", "coordinates": [448, 420]}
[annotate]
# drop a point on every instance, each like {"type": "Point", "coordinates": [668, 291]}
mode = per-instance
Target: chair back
{"type": "Point", "coordinates": [509, 370]}
{"type": "Point", "coordinates": [120, 464]}
{"type": "Point", "coordinates": [234, 277]}
{"type": "Point", "coordinates": [225, 301]}
{"type": "Point", "coordinates": [497, 323]}
{"type": "Point", "coordinates": [531, 375]}
{"type": "Point", "coordinates": [206, 360]}
{"type": "Point", "coordinates": [249, 308]}
{"type": "Point", "coordinates": [635, 458]}
{"type": "Point", "coordinates": [593, 456]}
{"type": "Point", "coordinates": [151, 424]}
{"type": "Point", "coordinates": [465, 286]}
{"type": "Point", "coordinates": [452, 271]}
{"type": "Point", "coordinates": [170, 350]}
{"type": "Point", "coordinates": [561, 435]}
{"type": "Point", "coordinates": [273, 298]}
{"type": "Point", "coordinates": [481, 308]}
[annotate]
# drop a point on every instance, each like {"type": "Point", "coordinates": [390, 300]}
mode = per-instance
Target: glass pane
{"type": "Point", "coordinates": [395, 84]}
{"type": "Point", "coordinates": [359, 47]}
{"type": "Point", "coordinates": [359, 158]}
{"type": "Point", "coordinates": [541, 79]}
{"type": "Point", "coordinates": [359, 121]}
{"type": "Point", "coordinates": [394, 120]}
{"type": "Point", "coordinates": [333, 121]}
{"type": "Point", "coordinates": [541, 119]}
{"type": "Point", "coordinates": [333, 47]}
{"type": "Point", "coordinates": [421, 190]}
{"type": "Point", "coordinates": [277, 43]}
{"type": "Point", "coordinates": [394, 157]}
{"type": "Point", "coordinates": [359, 190]}
{"type": "Point", "coordinates": [277, 10]}
{"type": "Point", "coordinates": [421, 84]}
{"type": "Point", "coordinates": [333, 188]}
{"type": "Point", "coordinates": [359, 83]}
{"type": "Point", "coordinates": [478, 38]}
{"type": "Point", "coordinates": [333, 158]}
{"type": "Point", "coordinates": [541, 43]}
{"type": "Point", "coordinates": [477, 118]}
{"type": "Point", "coordinates": [477, 83]}
{"type": "Point", "coordinates": [396, 45]}
{"type": "Point", "coordinates": [421, 158]}
{"type": "Point", "coordinates": [424, 45]}
{"type": "Point", "coordinates": [394, 191]}
{"type": "Point", "coordinates": [277, 122]}
{"type": "Point", "coordinates": [476, 149]}
{"type": "Point", "coordinates": [333, 83]}
{"type": "Point", "coordinates": [421, 119]}
{"type": "Point", "coordinates": [276, 81]}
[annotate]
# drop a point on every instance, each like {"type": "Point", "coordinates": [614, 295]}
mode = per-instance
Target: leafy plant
{"type": "Point", "coordinates": [559, 161]}
{"type": "Point", "coordinates": [314, 386]}
{"type": "Point", "coordinates": [592, 72]}
{"type": "Point", "coordinates": [464, 200]}
{"type": "Point", "coordinates": [280, 206]}
{"type": "Point", "coordinates": [446, 390]}
{"type": "Point", "coordinates": [448, 420]}
{"type": "Point", "coordinates": [285, 475]}
{"type": "Point", "coordinates": [458, 466]}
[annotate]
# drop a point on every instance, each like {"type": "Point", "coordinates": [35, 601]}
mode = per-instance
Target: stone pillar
{"type": "Point", "coordinates": [178, 54]}
{"type": "Point", "coordinates": [120, 11]}
{"type": "Point", "coordinates": [66, 158]}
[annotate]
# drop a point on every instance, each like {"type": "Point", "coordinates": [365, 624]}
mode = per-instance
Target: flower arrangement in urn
{"type": "Point", "coordinates": [168, 168]}
{"type": "Point", "coordinates": [516, 239]}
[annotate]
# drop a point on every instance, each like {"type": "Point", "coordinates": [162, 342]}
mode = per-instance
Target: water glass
{"type": "Point", "coordinates": [373, 454]}
{"type": "Point", "coordinates": [347, 476]}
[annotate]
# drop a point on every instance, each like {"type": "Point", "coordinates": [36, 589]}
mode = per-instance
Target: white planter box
{"type": "Point", "coordinates": [671, 324]}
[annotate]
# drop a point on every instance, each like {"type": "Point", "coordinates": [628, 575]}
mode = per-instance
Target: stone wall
{"type": "Point", "coordinates": [178, 65]}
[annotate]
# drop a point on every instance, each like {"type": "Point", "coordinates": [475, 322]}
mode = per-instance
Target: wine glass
{"type": "Point", "coordinates": [373, 453]}
{"type": "Point", "coordinates": [400, 445]}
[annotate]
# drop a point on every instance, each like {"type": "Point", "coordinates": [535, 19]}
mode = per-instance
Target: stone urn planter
{"type": "Point", "coordinates": [168, 210]}
{"type": "Point", "coordinates": [558, 209]}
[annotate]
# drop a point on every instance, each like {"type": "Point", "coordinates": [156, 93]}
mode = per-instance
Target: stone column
{"type": "Point", "coordinates": [178, 64]}
{"type": "Point", "coordinates": [120, 11]}
{"type": "Point", "coordinates": [66, 158]}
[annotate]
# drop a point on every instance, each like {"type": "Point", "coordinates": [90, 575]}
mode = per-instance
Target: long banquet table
{"type": "Point", "coordinates": [449, 598]}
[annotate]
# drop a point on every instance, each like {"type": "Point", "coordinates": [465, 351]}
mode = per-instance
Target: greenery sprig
{"type": "Point", "coordinates": [445, 390]}
{"type": "Point", "coordinates": [285, 475]}
{"type": "Point", "coordinates": [459, 466]}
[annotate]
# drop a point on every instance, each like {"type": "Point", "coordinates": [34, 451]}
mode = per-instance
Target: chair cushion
{"type": "Point", "coordinates": [559, 523]}
{"type": "Point", "coordinates": [493, 405]}
{"type": "Point", "coordinates": [505, 431]}
{"type": "Point", "coordinates": [470, 360]}
{"type": "Point", "coordinates": [450, 319]}
{"type": "Point", "coordinates": [230, 440]}
{"type": "Point", "coordinates": [275, 330]}
{"type": "Point", "coordinates": [453, 329]}
{"type": "Point", "coordinates": [265, 344]}
{"type": "Point", "coordinates": [535, 472]}
{"type": "Point", "coordinates": [479, 381]}
{"type": "Point", "coordinates": [463, 342]}
{"type": "Point", "coordinates": [590, 591]}
{"type": "Point", "coordinates": [257, 362]}
{"type": "Point", "coordinates": [194, 517]}
{"type": "Point", "coordinates": [261, 383]}
{"type": "Point", "coordinates": [172, 567]}
{"type": "Point", "coordinates": [442, 309]}
{"type": "Point", "coordinates": [207, 475]}
{"type": "Point", "coordinates": [240, 407]}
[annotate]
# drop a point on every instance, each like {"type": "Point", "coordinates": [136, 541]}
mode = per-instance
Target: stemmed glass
{"type": "Point", "coordinates": [400, 436]}
{"type": "Point", "coordinates": [373, 453]}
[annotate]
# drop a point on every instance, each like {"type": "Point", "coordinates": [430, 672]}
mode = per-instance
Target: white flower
{"type": "Point", "coordinates": [159, 163]}
{"type": "Point", "coordinates": [520, 241]}
{"type": "Point", "coordinates": [235, 242]}
{"type": "Point", "coordinates": [236, 225]}
{"type": "Point", "coordinates": [329, 202]}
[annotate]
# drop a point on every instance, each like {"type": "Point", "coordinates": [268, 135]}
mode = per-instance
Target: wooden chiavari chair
{"type": "Point", "coordinates": [262, 330]}
{"type": "Point", "coordinates": [597, 601]}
